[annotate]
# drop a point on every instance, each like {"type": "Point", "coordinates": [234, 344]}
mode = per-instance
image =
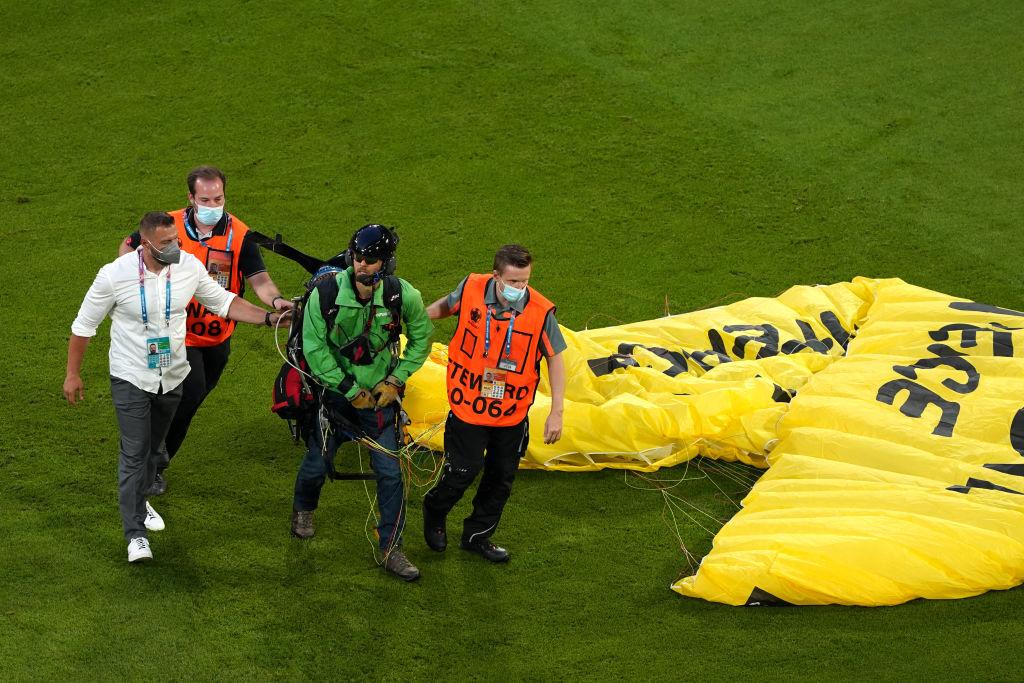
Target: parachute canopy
{"type": "Point", "coordinates": [891, 419]}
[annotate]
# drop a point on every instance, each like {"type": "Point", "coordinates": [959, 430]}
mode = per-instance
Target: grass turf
{"type": "Point", "coordinates": [643, 150]}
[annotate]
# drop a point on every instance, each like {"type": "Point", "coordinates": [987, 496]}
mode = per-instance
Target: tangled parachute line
{"type": "Point", "coordinates": [733, 480]}
{"type": "Point", "coordinates": [420, 466]}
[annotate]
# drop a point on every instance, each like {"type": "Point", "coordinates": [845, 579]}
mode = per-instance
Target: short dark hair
{"type": "Point", "coordinates": [512, 255]}
{"type": "Point", "coordinates": [206, 173]}
{"type": "Point", "coordinates": [153, 220]}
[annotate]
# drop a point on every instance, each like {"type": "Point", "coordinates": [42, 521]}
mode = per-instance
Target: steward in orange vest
{"type": "Point", "coordinates": [505, 328]}
{"type": "Point", "coordinates": [221, 253]}
{"type": "Point", "coordinates": [219, 240]}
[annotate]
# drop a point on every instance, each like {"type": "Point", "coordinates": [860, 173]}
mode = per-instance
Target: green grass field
{"type": "Point", "coordinates": [697, 151]}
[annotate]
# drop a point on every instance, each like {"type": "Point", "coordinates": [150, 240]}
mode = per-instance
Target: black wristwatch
{"type": "Point", "coordinates": [266, 320]}
{"type": "Point", "coordinates": [273, 302]}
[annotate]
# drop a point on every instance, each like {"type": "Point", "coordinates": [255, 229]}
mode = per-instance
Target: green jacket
{"type": "Point", "coordinates": [331, 368]}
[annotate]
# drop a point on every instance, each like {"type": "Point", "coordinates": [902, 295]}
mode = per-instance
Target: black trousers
{"type": "Point", "coordinates": [469, 448]}
{"type": "Point", "coordinates": [208, 363]}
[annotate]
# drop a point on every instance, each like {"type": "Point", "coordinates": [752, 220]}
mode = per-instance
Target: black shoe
{"type": "Point", "coordinates": [434, 533]}
{"type": "Point", "coordinates": [158, 487]}
{"type": "Point", "coordinates": [485, 548]}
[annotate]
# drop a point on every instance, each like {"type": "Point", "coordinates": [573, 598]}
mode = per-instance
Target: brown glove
{"type": "Point", "coordinates": [387, 390]}
{"type": "Point", "coordinates": [362, 401]}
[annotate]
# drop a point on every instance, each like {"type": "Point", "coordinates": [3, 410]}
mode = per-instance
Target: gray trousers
{"type": "Point", "coordinates": [143, 418]}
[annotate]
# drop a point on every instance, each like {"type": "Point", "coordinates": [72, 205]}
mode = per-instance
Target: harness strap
{"type": "Point", "coordinates": [354, 431]}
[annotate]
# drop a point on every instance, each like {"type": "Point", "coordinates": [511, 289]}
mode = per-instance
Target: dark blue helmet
{"type": "Point", "coordinates": [374, 241]}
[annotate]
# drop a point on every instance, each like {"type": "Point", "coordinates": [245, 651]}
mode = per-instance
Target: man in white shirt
{"type": "Point", "coordinates": [145, 292]}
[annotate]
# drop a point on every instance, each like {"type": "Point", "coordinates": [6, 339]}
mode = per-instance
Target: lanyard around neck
{"type": "Point", "coordinates": [508, 333]}
{"type": "Point", "coordinates": [142, 292]}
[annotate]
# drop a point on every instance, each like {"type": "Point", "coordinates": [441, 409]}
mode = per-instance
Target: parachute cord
{"type": "Point", "coordinates": [371, 523]}
{"type": "Point", "coordinates": [674, 505]}
{"type": "Point", "coordinates": [586, 325]}
{"type": "Point", "coordinates": [248, 350]}
{"type": "Point", "coordinates": [724, 471]}
{"type": "Point", "coordinates": [731, 297]}
{"type": "Point", "coordinates": [412, 473]}
{"type": "Point", "coordinates": [284, 356]}
{"type": "Point", "coordinates": [234, 365]}
{"type": "Point", "coordinates": [324, 425]}
{"type": "Point", "coordinates": [728, 471]}
{"type": "Point", "coordinates": [668, 511]}
{"type": "Point", "coordinates": [405, 455]}
{"type": "Point", "coordinates": [664, 491]}
{"type": "Point", "coordinates": [412, 476]}
{"type": "Point", "coordinates": [277, 344]}
{"type": "Point", "coordinates": [691, 560]}
{"type": "Point", "coordinates": [705, 475]}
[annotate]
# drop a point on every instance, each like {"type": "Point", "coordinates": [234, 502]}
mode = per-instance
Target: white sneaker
{"type": "Point", "coordinates": [154, 522]}
{"type": "Point", "coordinates": [138, 549]}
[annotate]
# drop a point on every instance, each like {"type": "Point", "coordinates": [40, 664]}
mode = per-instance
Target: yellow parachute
{"type": "Point", "coordinates": [892, 418]}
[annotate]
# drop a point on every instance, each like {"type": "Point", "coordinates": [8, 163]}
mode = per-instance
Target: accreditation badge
{"type": "Point", "coordinates": [158, 352]}
{"type": "Point", "coordinates": [218, 265]}
{"type": "Point", "coordinates": [493, 384]}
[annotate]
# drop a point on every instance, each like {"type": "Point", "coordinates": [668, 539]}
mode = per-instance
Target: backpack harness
{"type": "Point", "coordinates": [298, 394]}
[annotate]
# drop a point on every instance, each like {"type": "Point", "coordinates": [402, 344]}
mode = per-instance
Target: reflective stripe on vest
{"type": "Point", "coordinates": [202, 327]}
{"type": "Point", "coordinates": [467, 363]}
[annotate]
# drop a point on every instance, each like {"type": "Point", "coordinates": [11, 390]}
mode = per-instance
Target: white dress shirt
{"type": "Point", "coordinates": [116, 292]}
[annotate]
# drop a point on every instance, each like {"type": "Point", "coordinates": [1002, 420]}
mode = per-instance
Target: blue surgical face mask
{"type": "Point", "coordinates": [511, 294]}
{"type": "Point", "coordinates": [209, 215]}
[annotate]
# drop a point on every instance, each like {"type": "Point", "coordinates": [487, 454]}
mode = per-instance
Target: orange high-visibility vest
{"type": "Point", "coordinates": [471, 372]}
{"type": "Point", "coordinates": [220, 256]}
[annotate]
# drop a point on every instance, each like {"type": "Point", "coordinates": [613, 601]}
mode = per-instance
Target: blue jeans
{"type": "Point", "coordinates": [379, 425]}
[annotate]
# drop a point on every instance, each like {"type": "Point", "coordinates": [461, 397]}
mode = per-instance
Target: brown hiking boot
{"type": "Point", "coordinates": [302, 524]}
{"type": "Point", "coordinates": [398, 564]}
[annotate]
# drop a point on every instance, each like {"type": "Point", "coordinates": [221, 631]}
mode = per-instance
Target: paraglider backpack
{"type": "Point", "coordinates": [296, 392]}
